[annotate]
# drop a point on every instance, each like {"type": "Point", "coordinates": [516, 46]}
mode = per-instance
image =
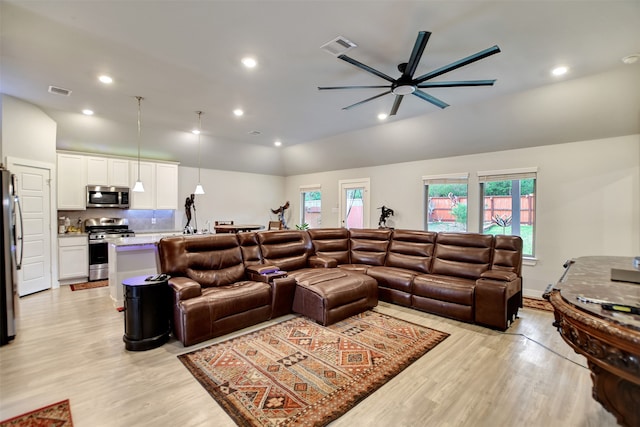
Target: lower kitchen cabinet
{"type": "Point", "coordinates": [73, 259]}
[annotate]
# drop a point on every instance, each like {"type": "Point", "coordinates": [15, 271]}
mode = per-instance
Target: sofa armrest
{"type": "Point", "coordinates": [185, 288]}
{"type": "Point", "coordinates": [317, 261]}
{"type": "Point", "coordinates": [261, 269]}
{"type": "Point", "coordinates": [282, 292]}
{"type": "Point", "coordinates": [507, 276]}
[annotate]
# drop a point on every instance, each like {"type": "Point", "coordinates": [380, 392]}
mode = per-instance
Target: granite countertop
{"type": "Point", "coordinates": [590, 277]}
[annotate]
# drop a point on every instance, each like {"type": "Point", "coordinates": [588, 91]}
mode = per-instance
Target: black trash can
{"type": "Point", "coordinates": [147, 313]}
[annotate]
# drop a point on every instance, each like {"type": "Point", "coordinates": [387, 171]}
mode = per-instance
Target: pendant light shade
{"type": "Point", "coordinates": [138, 187]}
{"type": "Point", "coordinates": [199, 189]}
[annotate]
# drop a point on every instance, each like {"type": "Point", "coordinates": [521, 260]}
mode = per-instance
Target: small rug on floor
{"type": "Point", "coordinates": [537, 303]}
{"type": "Point", "coordinates": [57, 414]}
{"type": "Point", "coordinates": [90, 285]}
{"type": "Point", "coordinates": [300, 373]}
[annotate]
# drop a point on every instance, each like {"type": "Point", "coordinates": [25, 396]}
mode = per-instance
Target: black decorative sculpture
{"type": "Point", "coordinates": [280, 213]}
{"type": "Point", "coordinates": [190, 203]}
{"type": "Point", "coordinates": [386, 213]}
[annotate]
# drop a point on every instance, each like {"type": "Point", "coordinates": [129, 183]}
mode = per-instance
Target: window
{"type": "Point", "coordinates": [445, 202]}
{"type": "Point", "coordinates": [509, 204]}
{"type": "Point", "coordinates": [311, 202]}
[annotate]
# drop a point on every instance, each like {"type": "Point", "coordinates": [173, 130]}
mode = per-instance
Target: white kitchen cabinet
{"type": "Point", "coordinates": [73, 259]}
{"type": "Point", "coordinates": [166, 186]}
{"type": "Point", "coordinates": [97, 171]}
{"type": "Point", "coordinates": [72, 181]}
{"type": "Point", "coordinates": [160, 182]}
{"type": "Point", "coordinates": [146, 199]}
{"type": "Point", "coordinates": [118, 172]}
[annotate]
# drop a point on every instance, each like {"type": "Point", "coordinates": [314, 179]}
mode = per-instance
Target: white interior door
{"type": "Point", "coordinates": [33, 190]}
{"type": "Point", "coordinates": [354, 203]}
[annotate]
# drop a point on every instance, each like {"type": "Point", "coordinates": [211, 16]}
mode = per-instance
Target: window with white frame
{"type": "Point", "coordinates": [311, 206]}
{"type": "Point", "coordinates": [509, 204]}
{"type": "Point", "coordinates": [445, 202]}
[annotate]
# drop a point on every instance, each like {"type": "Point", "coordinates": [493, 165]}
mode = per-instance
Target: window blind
{"type": "Point", "coordinates": [459, 178]}
{"type": "Point", "coordinates": [507, 174]}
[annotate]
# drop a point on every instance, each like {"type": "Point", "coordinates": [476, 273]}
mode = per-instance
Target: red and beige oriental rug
{"type": "Point", "coordinates": [55, 415]}
{"type": "Point", "coordinates": [538, 304]}
{"type": "Point", "coordinates": [300, 373]}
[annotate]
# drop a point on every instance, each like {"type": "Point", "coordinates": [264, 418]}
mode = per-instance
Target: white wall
{"type": "Point", "coordinates": [245, 198]}
{"type": "Point", "coordinates": [27, 132]}
{"type": "Point", "coordinates": [588, 200]}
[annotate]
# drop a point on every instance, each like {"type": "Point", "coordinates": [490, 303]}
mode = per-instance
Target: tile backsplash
{"type": "Point", "coordinates": [139, 220]}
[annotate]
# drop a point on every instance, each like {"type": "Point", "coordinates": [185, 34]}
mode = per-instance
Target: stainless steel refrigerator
{"type": "Point", "coordinates": [10, 256]}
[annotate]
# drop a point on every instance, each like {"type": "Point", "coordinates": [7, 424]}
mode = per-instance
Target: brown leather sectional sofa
{"type": "Point", "coordinates": [223, 283]}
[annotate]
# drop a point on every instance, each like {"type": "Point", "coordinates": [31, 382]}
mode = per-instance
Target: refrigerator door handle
{"type": "Point", "coordinates": [19, 238]}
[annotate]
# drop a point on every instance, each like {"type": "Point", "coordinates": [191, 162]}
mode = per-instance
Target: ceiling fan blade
{"type": "Point", "coordinates": [460, 63]}
{"type": "Point", "coordinates": [396, 105]}
{"type": "Point", "coordinates": [458, 83]}
{"type": "Point", "coordinates": [366, 100]}
{"type": "Point", "coordinates": [352, 87]}
{"type": "Point", "coordinates": [366, 68]}
{"type": "Point", "coordinates": [416, 54]}
{"type": "Point", "coordinates": [432, 99]}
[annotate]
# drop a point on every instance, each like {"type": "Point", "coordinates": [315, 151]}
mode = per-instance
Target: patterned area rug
{"type": "Point", "coordinates": [300, 373]}
{"type": "Point", "coordinates": [537, 303]}
{"type": "Point", "coordinates": [55, 415]}
{"type": "Point", "coordinates": [90, 285]}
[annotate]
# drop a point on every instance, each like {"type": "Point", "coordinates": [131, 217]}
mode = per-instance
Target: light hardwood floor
{"type": "Point", "coordinates": [69, 346]}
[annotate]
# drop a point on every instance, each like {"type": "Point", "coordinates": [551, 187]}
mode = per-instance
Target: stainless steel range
{"type": "Point", "coordinates": [100, 230]}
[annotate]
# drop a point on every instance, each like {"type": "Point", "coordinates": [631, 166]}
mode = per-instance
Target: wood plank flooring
{"type": "Point", "coordinates": [69, 346]}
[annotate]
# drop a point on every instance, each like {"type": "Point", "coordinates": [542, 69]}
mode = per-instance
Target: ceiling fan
{"type": "Point", "coordinates": [406, 84]}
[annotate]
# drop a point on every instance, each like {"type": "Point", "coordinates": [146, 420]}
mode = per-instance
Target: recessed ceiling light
{"type": "Point", "coordinates": [559, 71]}
{"type": "Point", "coordinates": [382, 116]}
{"type": "Point", "coordinates": [631, 59]}
{"type": "Point", "coordinates": [238, 112]}
{"type": "Point", "coordinates": [105, 79]}
{"type": "Point", "coordinates": [196, 131]}
{"type": "Point", "coordinates": [249, 62]}
{"type": "Point", "coordinates": [277, 143]}
{"type": "Point", "coordinates": [87, 112]}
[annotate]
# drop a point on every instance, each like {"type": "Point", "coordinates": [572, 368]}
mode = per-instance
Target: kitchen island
{"type": "Point", "coordinates": [130, 257]}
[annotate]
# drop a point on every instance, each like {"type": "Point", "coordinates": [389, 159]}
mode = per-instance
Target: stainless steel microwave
{"type": "Point", "coordinates": [100, 196]}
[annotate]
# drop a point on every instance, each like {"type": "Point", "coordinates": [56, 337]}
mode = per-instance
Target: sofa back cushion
{"type": "Point", "coordinates": [368, 246]}
{"type": "Point", "coordinates": [286, 249]}
{"type": "Point", "coordinates": [411, 250]}
{"type": "Point", "coordinates": [465, 255]}
{"type": "Point", "coordinates": [250, 248]}
{"type": "Point", "coordinates": [507, 254]}
{"type": "Point", "coordinates": [211, 260]}
{"type": "Point", "coordinates": [331, 242]}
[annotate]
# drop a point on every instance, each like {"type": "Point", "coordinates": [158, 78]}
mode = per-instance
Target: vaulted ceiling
{"type": "Point", "coordinates": [185, 56]}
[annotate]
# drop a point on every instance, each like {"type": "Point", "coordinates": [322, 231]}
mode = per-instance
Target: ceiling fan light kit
{"type": "Point", "coordinates": [406, 84]}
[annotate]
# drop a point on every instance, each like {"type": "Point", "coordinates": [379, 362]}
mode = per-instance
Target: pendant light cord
{"type": "Point", "coordinates": [199, 136]}
{"type": "Point", "coordinates": [139, 98]}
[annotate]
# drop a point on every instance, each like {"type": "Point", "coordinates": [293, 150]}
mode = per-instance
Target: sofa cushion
{"type": "Point", "coordinates": [211, 260]}
{"type": "Point", "coordinates": [465, 255]}
{"type": "Point", "coordinates": [507, 254]}
{"type": "Point", "coordinates": [238, 297]}
{"type": "Point", "coordinates": [393, 277]}
{"type": "Point", "coordinates": [286, 249]}
{"type": "Point", "coordinates": [331, 243]}
{"type": "Point", "coordinates": [444, 288]}
{"type": "Point", "coordinates": [368, 246]}
{"type": "Point", "coordinates": [250, 248]}
{"type": "Point", "coordinates": [411, 250]}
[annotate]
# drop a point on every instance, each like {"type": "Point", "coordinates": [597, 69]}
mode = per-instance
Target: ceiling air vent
{"type": "Point", "coordinates": [338, 46]}
{"type": "Point", "coordinates": [59, 91]}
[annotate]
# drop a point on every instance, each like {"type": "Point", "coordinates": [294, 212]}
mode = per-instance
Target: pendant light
{"type": "Point", "coordinates": [199, 189]}
{"type": "Point", "coordinates": [138, 187]}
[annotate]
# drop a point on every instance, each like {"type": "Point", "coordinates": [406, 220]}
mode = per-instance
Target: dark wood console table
{"type": "Point", "coordinates": [609, 340]}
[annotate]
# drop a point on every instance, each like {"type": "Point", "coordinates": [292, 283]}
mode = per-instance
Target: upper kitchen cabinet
{"type": "Point", "coordinates": [145, 199]}
{"type": "Point", "coordinates": [118, 172]}
{"type": "Point", "coordinates": [107, 171]}
{"type": "Point", "coordinates": [166, 186]}
{"type": "Point", "coordinates": [72, 181]}
{"type": "Point", "coordinates": [160, 182]}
